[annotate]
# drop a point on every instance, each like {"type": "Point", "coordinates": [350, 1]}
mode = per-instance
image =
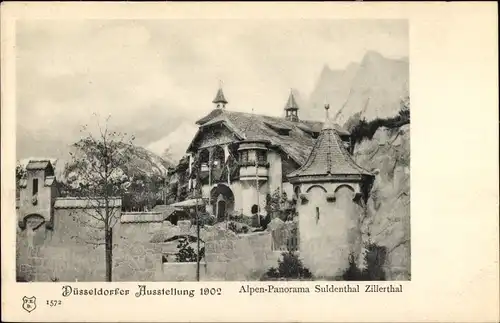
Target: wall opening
{"type": "Point", "coordinates": [222, 193]}
{"type": "Point", "coordinates": [221, 210]}
{"type": "Point", "coordinates": [35, 186]}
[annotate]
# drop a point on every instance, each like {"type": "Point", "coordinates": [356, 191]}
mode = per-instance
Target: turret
{"type": "Point", "coordinates": [220, 101]}
{"type": "Point", "coordinates": [291, 109]}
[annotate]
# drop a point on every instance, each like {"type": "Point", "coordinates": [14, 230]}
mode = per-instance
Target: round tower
{"type": "Point", "coordinates": [329, 205]}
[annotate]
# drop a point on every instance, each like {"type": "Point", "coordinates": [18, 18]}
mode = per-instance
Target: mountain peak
{"type": "Point", "coordinates": [372, 56]}
{"type": "Point", "coordinates": [325, 69]}
{"type": "Point", "coordinates": [372, 88]}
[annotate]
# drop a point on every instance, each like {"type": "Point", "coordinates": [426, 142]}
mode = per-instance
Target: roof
{"type": "Point", "coordinates": [291, 104]}
{"type": "Point", "coordinates": [49, 180]}
{"type": "Point", "coordinates": [38, 164]}
{"type": "Point", "coordinates": [188, 203]}
{"type": "Point", "coordinates": [219, 98]}
{"type": "Point", "coordinates": [84, 203]}
{"type": "Point", "coordinates": [296, 143]}
{"type": "Point", "coordinates": [142, 217]}
{"type": "Point", "coordinates": [329, 157]}
{"type": "Point", "coordinates": [166, 209]}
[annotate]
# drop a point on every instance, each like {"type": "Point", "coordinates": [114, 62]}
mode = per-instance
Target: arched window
{"type": "Point", "coordinates": [255, 209]}
{"type": "Point", "coordinates": [349, 187]}
{"type": "Point", "coordinates": [316, 186]}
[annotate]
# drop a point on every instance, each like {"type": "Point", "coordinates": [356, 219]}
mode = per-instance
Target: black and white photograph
{"type": "Point", "coordinates": [249, 162]}
{"type": "Point", "coordinates": [212, 150]}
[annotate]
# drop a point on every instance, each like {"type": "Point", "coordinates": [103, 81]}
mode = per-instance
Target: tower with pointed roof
{"type": "Point", "coordinates": [220, 100]}
{"type": "Point", "coordinates": [331, 189]}
{"type": "Point", "coordinates": [38, 190]}
{"type": "Point", "coordinates": [291, 108]}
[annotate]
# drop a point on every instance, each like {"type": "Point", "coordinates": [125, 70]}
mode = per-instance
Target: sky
{"type": "Point", "coordinates": [149, 74]}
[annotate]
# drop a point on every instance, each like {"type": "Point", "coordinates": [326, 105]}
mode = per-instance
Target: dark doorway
{"type": "Point", "coordinates": [221, 210]}
{"type": "Point", "coordinates": [222, 201]}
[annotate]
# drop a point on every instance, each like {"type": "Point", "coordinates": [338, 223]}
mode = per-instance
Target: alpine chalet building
{"type": "Point", "coordinates": [240, 158]}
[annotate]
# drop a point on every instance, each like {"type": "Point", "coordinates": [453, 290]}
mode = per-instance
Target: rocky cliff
{"type": "Point", "coordinates": [387, 221]}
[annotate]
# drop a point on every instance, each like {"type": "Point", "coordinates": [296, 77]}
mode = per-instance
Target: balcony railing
{"type": "Point", "coordinates": [260, 163]}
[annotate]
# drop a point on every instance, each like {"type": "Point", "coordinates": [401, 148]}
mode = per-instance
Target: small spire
{"type": "Point", "coordinates": [291, 104]}
{"type": "Point", "coordinates": [291, 108]}
{"type": "Point", "coordinates": [328, 125]}
{"type": "Point", "coordinates": [220, 99]}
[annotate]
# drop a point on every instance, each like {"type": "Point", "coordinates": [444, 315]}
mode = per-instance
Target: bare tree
{"type": "Point", "coordinates": [96, 175]}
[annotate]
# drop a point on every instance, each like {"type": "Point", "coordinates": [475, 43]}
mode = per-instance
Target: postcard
{"type": "Point", "coordinates": [249, 162]}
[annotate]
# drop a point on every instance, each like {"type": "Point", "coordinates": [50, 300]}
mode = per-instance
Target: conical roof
{"type": "Point", "coordinates": [291, 104]}
{"type": "Point", "coordinates": [219, 98]}
{"type": "Point", "coordinates": [329, 157]}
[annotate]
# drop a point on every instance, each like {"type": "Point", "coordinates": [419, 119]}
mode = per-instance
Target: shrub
{"type": "Point", "coordinates": [21, 278]}
{"type": "Point", "coordinates": [247, 220]}
{"type": "Point", "coordinates": [352, 272]}
{"type": "Point", "coordinates": [374, 258]}
{"type": "Point", "coordinates": [264, 221]}
{"type": "Point", "coordinates": [238, 228]}
{"type": "Point", "coordinates": [289, 267]}
{"type": "Point", "coordinates": [205, 219]}
{"type": "Point", "coordinates": [186, 253]}
{"type": "Point", "coordinates": [362, 129]}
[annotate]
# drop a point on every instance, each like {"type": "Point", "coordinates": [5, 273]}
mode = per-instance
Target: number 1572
{"type": "Point", "coordinates": [54, 302]}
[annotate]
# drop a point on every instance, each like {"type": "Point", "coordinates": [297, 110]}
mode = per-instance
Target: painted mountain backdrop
{"type": "Point", "coordinates": [372, 88]}
{"type": "Point", "coordinates": [368, 89]}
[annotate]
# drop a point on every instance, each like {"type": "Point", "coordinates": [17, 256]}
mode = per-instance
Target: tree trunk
{"type": "Point", "coordinates": [109, 253]}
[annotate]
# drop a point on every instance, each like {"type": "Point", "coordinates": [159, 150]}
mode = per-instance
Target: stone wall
{"type": "Point", "coordinates": [135, 258]}
{"type": "Point", "coordinates": [66, 254]}
{"type": "Point", "coordinates": [227, 256]}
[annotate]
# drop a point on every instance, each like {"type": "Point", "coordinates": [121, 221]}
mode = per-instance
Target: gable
{"type": "Point", "coordinates": [211, 135]}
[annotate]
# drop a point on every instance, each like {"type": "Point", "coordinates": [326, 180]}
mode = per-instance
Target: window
{"type": "Point", "coordinates": [35, 186]}
{"type": "Point", "coordinates": [244, 156]}
{"type": "Point", "coordinates": [317, 215]}
{"type": "Point", "coordinates": [261, 156]}
{"type": "Point", "coordinates": [255, 209]}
